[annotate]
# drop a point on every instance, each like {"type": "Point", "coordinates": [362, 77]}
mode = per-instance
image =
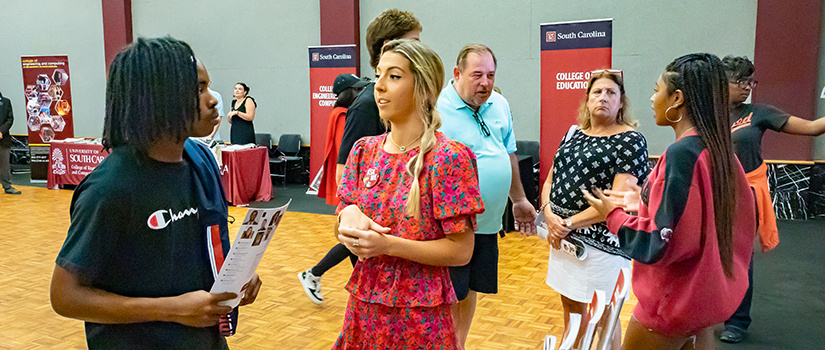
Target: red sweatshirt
{"type": "Point", "coordinates": [677, 273]}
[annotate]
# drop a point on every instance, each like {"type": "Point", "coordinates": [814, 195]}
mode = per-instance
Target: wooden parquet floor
{"type": "Point", "coordinates": [34, 226]}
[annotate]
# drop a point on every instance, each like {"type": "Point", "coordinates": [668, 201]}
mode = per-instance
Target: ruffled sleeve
{"type": "Point", "coordinates": [349, 188]}
{"type": "Point", "coordinates": [456, 195]}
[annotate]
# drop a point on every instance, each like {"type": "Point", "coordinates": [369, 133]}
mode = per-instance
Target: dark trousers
{"type": "Point", "coordinates": [5, 167]}
{"type": "Point", "coordinates": [742, 316]}
{"type": "Point", "coordinates": [334, 257]}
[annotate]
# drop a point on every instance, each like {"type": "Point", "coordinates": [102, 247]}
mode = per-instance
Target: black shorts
{"type": "Point", "coordinates": [481, 274]}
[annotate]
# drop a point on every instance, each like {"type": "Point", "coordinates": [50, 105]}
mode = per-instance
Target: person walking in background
{"type": "Point", "coordinates": [604, 151]}
{"type": "Point", "coordinates": [345, 87]}
{"type": "Point", "coordinates": [241, 116]}
{"type": "Point", "coordinates": [749, 121]}
{"type": "Point", "coordinates": [480, 119]}
{"type": "Point", "coordinates": [692, 239]}
{"type": "Point", "coordinates": [409, 199]}
{"type": "Point", "coordinates": [6, 121]}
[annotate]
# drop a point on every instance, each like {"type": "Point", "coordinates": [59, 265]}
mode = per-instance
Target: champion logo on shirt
{"type": "Point", "coordinates": [162, 218]}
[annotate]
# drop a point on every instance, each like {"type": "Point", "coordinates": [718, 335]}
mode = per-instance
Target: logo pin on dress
{"type": "Point", "coordinates": [371, 178]}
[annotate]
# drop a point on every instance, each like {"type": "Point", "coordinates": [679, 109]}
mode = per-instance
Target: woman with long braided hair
{"type": "Point", "coordinates": [692, 239]}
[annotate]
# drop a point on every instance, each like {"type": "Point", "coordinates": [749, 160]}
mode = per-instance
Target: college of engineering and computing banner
{"type": "Point", "coordinates": [569, 52]}
{"type": "Point", "coordinates": [325, 63]}
{"type": "Point", "coordinates": [48, 107]}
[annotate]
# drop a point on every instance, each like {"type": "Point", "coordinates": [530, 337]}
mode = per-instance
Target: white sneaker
{"type": "Point", "coordinates": [312, 286]}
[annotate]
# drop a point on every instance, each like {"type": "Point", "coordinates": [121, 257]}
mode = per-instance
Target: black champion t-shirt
{"type": "Point", "coordinates": [135, 232]}
{"type": "Point", "coordinates": [748, 124]}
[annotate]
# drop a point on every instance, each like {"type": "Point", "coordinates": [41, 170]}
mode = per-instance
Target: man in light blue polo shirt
{"type": "Point", "coordinates": [473, 114]}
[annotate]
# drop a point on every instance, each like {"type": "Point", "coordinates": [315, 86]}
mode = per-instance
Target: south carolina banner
{"type": "Point", "coordinates": [48, 106]}
{"type": "Point", "coordinates": [569, 52]}
{"type": "Point", "coordinates": [325, 63]}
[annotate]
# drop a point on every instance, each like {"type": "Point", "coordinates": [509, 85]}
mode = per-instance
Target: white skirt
{"type": "Point", "coordinates": [578, 279]}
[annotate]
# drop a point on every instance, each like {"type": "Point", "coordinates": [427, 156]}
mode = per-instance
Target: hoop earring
{"type": "Point", "coordinates": [672, 121]}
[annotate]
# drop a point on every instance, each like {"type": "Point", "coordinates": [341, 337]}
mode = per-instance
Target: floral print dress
{"type": "Point", "coordinates": [397, 303]}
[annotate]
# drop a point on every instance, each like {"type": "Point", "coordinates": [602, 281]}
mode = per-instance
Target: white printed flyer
{"type": "Point", "coordinates": [246, 252]}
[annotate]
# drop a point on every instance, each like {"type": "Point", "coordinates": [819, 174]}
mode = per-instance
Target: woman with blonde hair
{"type": "Point", "coordinates": [603, 150]}
{"type": "Point", "coordinates": [408, 204]}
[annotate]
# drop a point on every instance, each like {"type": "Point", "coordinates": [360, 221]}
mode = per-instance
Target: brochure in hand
{"type": "Point", "coordinates": [569, 245]}
{"type": "Point", "coordinates": [246, 252]}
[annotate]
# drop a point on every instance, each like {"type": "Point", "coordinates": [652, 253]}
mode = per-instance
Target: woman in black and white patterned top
{"type": "Point", "coordinates": [603, 151]}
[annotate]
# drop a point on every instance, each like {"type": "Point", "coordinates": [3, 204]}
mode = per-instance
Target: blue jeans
{"type": "Point", "coordinates": [742, 316]}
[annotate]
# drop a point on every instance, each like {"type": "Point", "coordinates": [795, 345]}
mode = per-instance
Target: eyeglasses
{"type": "Point", "coordinates": [614, 71]}
{"type": "Point", "coordinates": [481, 123]}
{"type": "Point", "coordinates": [743, 83]}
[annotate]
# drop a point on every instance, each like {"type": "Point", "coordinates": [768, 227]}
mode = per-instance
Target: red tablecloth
{"type": "Point", "coordinates": [70, 162]}
{"type": "Point", "coordinates": [245, 175]}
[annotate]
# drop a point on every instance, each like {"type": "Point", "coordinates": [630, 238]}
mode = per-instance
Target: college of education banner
{"type": "Point", "coordinates": [569, 52]}
{"type": "Point", "coordinates": [325, 63]}
{"type": "Point", "coordinates": [48, 107]}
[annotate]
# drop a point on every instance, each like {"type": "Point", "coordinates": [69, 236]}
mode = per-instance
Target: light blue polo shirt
{"type": "Point", "coordinates": [492, 152]}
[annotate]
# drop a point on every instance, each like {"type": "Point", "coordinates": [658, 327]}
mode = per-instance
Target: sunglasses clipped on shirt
{"type": "Point", "coordinates": [484, 129]}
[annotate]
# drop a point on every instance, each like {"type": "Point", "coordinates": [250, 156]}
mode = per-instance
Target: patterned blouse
{"type": "Point", "coordinates": [378, 183]}
{"type": "Point", "coordinates": [583, 162]}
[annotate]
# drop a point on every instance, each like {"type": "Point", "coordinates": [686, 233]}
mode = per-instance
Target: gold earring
{"type": "Point", "coordinates": [672, 121]}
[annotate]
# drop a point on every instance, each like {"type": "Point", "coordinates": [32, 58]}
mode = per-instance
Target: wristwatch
{"type": "Point", "coordinates": [568, 223]}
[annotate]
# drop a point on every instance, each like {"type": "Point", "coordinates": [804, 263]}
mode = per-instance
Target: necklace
{"type": "Point", "coordinates": [685, 132]}
{"type": "Point", "coordinates": [403, 148]}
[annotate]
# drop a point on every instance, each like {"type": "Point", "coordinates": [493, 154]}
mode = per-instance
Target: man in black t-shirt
{"type": "Point", "coordinates": [748, 124]}
{"type": "Point", "coordinates": [148, 227]}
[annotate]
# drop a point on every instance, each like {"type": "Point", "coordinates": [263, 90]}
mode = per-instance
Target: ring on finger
{"type": "Point", "coordinates": [355, 244]}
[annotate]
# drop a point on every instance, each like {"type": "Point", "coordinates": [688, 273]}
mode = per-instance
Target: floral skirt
{"type": "Point", "coordinates": [377, 326]}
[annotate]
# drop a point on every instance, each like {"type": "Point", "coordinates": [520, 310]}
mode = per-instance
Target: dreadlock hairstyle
{"type": "Point", "coordinates": [738, 67]}
{"type": "Point", "coordinates": [389, 25]}
{"type": "Point", "coordinates": [428, 75]}
{"type": "Point", "coordinates": [702, 79]}
{"type": "Point", "coordinates": [151, 93]}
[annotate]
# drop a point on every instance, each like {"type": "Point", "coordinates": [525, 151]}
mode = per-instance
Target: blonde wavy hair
{"type": "Point", "coordinates": [428, 73]}
{"type": "Point", "coordinates": [623, 117]}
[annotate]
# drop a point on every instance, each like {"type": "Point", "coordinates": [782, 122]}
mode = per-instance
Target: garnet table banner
{"type": "Point", "coordinates": [569, 52]}
{"type": "Point", "coordinates": [325, 63]}
{"type": "Point", "coordinates": [48, 106]}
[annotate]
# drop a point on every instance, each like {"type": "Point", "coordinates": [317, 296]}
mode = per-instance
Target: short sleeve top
{"type": "Point", "coordinates": [584, 162]}
{"type": "Point", "coordinates": [379, 184]}
{"type": "Point", "coordinates": [138, 229]}
{"type": "Point", "coordinates": [748, 124]}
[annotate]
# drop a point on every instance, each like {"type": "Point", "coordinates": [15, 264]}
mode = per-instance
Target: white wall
{"type": "Point", "coordinates": [647, 35]}
{"type": "Point", "coordinates": [261, 43]}
{"type": "Point", "coordinates": [55, 27]}
{"type": "Point", "coordinates": [264, 43]}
